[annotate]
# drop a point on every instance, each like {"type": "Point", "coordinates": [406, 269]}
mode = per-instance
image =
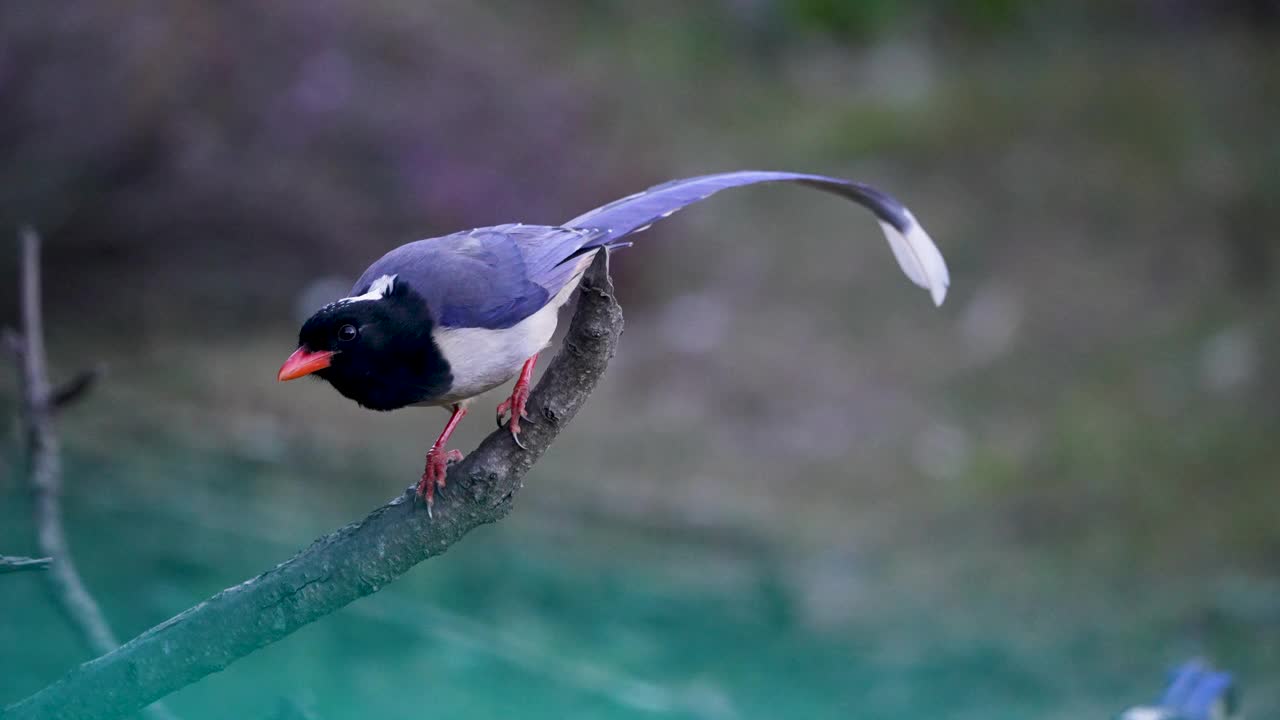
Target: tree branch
{"type": "Point", "coordinates": [71, 391]}
{"type": "Point", "coordinates": [11, 564]}
{"type": "Point", "coordinates": [44, 463]}
{"type": "Point", "coordinates": [356, 560]}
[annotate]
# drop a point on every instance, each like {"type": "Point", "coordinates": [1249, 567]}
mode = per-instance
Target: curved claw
{"type": "Point", "coordinates": [435, 475]}
{"type": "Point", "coordinates": [516, 406]}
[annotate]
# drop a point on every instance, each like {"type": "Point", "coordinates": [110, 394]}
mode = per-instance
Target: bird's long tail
{"type": "Point", "coordinates": [911, 245]}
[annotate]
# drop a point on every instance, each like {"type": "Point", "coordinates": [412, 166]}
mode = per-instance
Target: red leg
{"type": "Point", "coordinates": [519, 397]}
{"type": "Point", "coordinates": [438, 459]}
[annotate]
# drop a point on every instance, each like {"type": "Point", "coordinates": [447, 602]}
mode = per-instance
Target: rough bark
{"type": "Point", "coordinates": [352, 562]}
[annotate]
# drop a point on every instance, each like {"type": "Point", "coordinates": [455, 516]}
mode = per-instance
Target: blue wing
{"type": "Point", "coordinates": [915, 252]}
{"type": "Point", "coordinates": [1195, 692]}
{"type": "Point", "coordinates": [495, 277]}
{"type": "Point", "coordinates": [485, 278]}
{"type": "Point", "coordinates": [1198, 692]}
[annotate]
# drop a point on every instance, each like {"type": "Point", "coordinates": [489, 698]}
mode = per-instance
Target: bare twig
{"type": "Point", "coordinates": [69, 392]}
{"type": "Point", "coordinates": [12, 342]}
{"type": "Point", "coordinates": [350, 563]}
{"type": "Point", "coordinates": [45, 466]}
{"type": "Point", "coordinates": [11, 564]}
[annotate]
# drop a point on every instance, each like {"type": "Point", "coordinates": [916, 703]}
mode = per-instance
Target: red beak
{"type": "Point", "coordinates": [304, 362]}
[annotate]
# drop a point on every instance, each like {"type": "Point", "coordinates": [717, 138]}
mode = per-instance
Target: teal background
{"type": "Point", "coordinates": [800, 491]}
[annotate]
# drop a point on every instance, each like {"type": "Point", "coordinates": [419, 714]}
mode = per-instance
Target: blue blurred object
{"type": "Point", "coordinates": [1195, 692]}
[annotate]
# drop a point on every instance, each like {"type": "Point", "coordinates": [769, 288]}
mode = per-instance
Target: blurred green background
{"type": "Point", "coordinates": [800, 492]}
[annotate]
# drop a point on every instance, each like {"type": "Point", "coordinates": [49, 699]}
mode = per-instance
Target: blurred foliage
{"type": "Point", "coordinates": [859, 20]}
{"type": "Point", "coordinates": [800, 492]}
{"type": "Point", "coordinates": [866, 20]}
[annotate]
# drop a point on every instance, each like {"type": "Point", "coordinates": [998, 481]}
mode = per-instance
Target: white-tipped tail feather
{"type": "Point", "coordinates": [916, 253]}
{"type": "Point", "coordinates": [919, 258]}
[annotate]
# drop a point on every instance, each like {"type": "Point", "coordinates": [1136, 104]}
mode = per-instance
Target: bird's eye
{"type": "Point", "coordinates": [347, 333]}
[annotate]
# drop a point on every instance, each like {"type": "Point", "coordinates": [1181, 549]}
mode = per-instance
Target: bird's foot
{"type": "Point", "coordinates": [433, 476]}
{"type": "Point", "coordinates": [516, 406]}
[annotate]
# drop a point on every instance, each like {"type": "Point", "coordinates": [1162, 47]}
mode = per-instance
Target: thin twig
{"type": "Point", "coordinates": [12, 564]}
{"type": "Point", "coordinates": [350, 563]}
{"type": "Point", "coordinates": [44, 467]}
{"type": "Point", "coordinates": [12, 342]}
{"type": "Point", "coordinates": [71, 391]}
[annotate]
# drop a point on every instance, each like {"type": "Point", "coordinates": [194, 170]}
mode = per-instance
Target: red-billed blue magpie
{"type": "Point", "coordinates": [1195, 692]}
{"type": "Point", "coordinates": [438, 321]}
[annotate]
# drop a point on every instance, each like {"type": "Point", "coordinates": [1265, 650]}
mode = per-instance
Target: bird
{"type": "Point", "coordinates": [1195, 691]}
{"type": "Point", "coordinates": [437, 322]}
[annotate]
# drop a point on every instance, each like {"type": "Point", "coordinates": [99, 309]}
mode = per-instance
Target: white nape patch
{"type": "Point", "coordinates": [380, 288]}
{"type": "Point", "coordinates": [919, 258]}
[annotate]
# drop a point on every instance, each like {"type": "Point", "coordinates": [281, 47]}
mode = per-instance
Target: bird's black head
{"type": "Point", "coordinates": [375, 348]}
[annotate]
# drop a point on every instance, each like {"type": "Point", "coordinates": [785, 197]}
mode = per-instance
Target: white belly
{"type": "Point", "coordinates": [483, 359]}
